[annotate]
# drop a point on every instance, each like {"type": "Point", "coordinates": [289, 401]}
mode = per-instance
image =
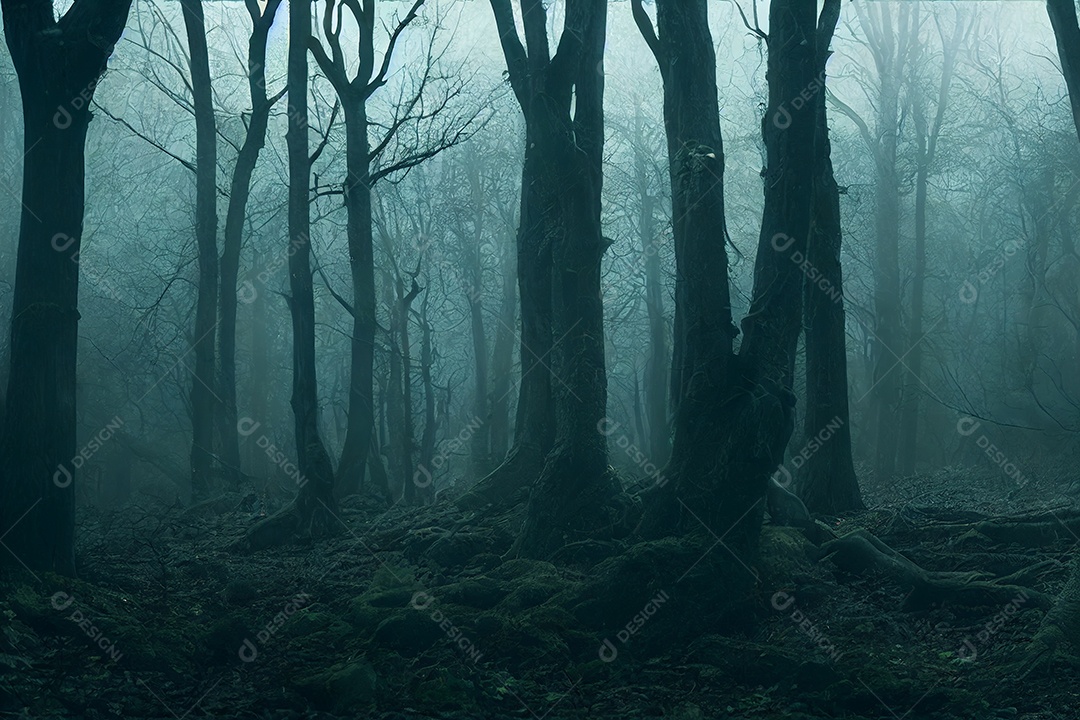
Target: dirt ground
{"type": "Point", "coordinates": [414, 614]}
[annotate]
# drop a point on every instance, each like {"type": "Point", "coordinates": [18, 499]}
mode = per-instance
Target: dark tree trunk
{"type": "Point", "coordinates": [703, 325]}
{"type": "Point", "coordinates": [567, 503]}
{"type": "Point", "coordinates": [703, 333]}
{"type": "Point", "coordinates": [737, 413]}
{"type": "Point", "coordinates": [235, 216]}
{"type": "Point", "coordinates": [203, 396]}
{"type": "Point", "coordinates": [58, 64]}
{"type": "Point", "coordinates": [362, 267]}
{"type": "Point", "coordinates": [531, 69]}
{"type": "Point", "coordinates": [313, 513]}
{"type": "Point", "coordinates": [828, 483]}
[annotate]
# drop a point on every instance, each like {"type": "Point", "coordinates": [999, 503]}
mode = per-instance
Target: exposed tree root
{"type": "Point", "coordinates": [860, 552]}
{"type": "Point", "coordinates": [508, 483]}
{"type": "Point", "coordinates": [289, 524]}
{"type": "Point", "coordinates": [1058, 637]}
{"type": "Point", "coordinates": [1037, 530]}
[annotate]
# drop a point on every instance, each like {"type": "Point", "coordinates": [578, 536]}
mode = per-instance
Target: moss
{"type": "Point", "coordinates": [240, 592]}
{"type": "Point", "coordinates": [394, 598]}
{"type": "Point", "coordinates": [408, 631]}
{"type": "Point", "coordinates": [445, 691]}
{"type": "Point", "coordinates": [531, 591]}
{"type": "Point", "coordinates": [365, 618]}
{"type": "Point", "coordinates": [782, 554]}
{"type": "Point", "coordinates": [225, 636]}
{"type": "Point", "coordinates": [342, 688]}
{"type": "Point", "coordinates": [521, 567]}
{"type": "Point", "coordinates": [482, 593]}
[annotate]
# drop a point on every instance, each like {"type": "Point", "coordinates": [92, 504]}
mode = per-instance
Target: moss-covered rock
{"type": "Point", "coordinates": [482, 593]}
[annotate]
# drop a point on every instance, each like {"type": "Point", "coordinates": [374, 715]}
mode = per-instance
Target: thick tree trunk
{"type": "Point", "coordinates": [828, 483]}
{"type": "Point", "coordinates": [58, 68]}
{"type": "Point", "coordinates": [235, 216]}
{"type": "Point", "coordinates": [737, 415]}
{"type": "Point", "coordinates": [313, 513]}
{"type": "Point", "coordinates": [534, 429]}
{"type": "Point", "coordinates": [702, 341]}
{"type": "Point", "coordinates": [204, 405]}
{"type": "Point", "coordinates": [567, 503]}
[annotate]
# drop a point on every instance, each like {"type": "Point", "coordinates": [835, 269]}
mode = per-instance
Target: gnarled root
{"type": "Point", "coordinates": [860, 552]}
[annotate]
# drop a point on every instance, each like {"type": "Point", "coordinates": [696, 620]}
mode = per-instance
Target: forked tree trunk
{"type": "Point", "coordinates": [567, 502]}
{"type": "Point", "coordinates": [58, 65]}
{"type": "Point", "coordinates": [235, 217]}
{"type": "Point", "coordinates": [737, 413]}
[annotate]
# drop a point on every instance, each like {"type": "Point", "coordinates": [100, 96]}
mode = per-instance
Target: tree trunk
{"type": "Point", "coordinates": [313, 513]}
{"type": "Point", "coordinates": [480, 444]}
{"type": "Point", "coordinates": [737, 413]}
{"type": "Point", "coordinates": [362, 266]}
{"type": "Point", "coordinates": [58, 67]}
{"type": "Point", "coordinates": [424, 485]}
{"type": "Point", "coordinates": [828, 483]}
{"type": "Point", "coordinates": [567, 502]}
{"type": "Point", "coordinates": [408, 434]}
{"type": "Point", "coordinates": [703, 334]}
{"type": "Point", "coordinates": [656, 370]}
{"type": "Point", "coordinates": [203, 396]}
{"type": "Point", "coordinates": [235, 217]}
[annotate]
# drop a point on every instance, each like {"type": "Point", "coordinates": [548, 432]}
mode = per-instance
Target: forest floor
{"type": "Point", "coordinates": [413, 614]}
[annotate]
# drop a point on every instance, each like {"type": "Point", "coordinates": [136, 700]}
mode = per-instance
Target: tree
{"type": "Point", "coordinates": [562, 101]}
{"type": "Point", "coordinates": [891, 41]}
{"type": "Point", "coordinates": [236, 215]}
{"type": "Point", "coordinates": [313, 512]}
{"type": "Point", "coordinates": [827, 483]}
{"type": "Point", "coordinates": [559, 246]}
{"type": "Point", "coordinates": [1060, 628]}
{"type": "Point", "coordinates": [927, 132]}
{"type": "Point", "coordinates": [367, 163]}
{"type": "Point", "coordinates": [735, 413]}
{"type": "Point", "coordinates": [59, 64]}
{"type": "Point", "coordinates": [203, 397]}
